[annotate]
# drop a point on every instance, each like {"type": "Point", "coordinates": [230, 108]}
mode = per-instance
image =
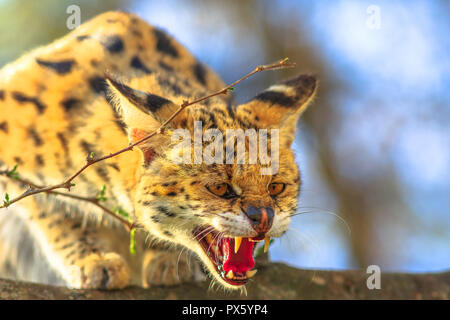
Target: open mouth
{"type": "Point", "coordinates": [232, 257]}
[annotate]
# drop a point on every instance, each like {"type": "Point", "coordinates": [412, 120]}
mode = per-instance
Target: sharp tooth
{"type": "Point", "coordinates": [251, 273]}
{"type": "Point", "coordinates": [237, 243]}
{"type": "Point", "coordinates": [209, 237]}
{"type": "Point", "coordinates": [230, 274]}
{"type": "Point", "coordinates": [266, 243]}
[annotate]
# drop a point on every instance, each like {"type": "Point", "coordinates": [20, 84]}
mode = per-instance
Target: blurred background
{"type": "Point", "coordinates": [374, 148]}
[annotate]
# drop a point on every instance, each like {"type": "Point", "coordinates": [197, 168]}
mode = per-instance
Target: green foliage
{"type": "Point", "coordinates": [133, 241]}
{"type": "Point", "coordinates": [7, 199]}
{"type": "Point", "coordinates": [13, 173]}
{"type": "Point", "coordinates": [101, 195]}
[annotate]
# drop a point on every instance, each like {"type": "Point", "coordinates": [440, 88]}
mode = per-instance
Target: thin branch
{"type": "Point", "coordinates": [92, 200]}
{"type": "Point", "coordinates": [90, 160]}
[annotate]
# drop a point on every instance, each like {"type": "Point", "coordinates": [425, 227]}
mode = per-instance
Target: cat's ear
{"type": "Point", "coordinates": [281, 105]}
{"type": "Point", "coordinates": [143, 113]}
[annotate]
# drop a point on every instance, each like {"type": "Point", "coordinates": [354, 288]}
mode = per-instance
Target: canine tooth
{"type": "Point", "coordinates": [237, 243]}
{"type": "Point", "coordinates": [266, 244]}
{"type": "Point", "coordinates": [230, 274]}
{"type": "Point", "coordinates": [251, 273]}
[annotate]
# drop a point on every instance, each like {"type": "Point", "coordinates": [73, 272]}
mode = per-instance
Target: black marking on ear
{"type": "Point", "coordinates": [61, 67]}
{"type": "Point", "coordinates": [144, 101]}
{"type": "Point", "coordinates": [35, 136]}
{"type": "Point", "coordinates": [83, 37]}
{"type": "Point", "coordinates": [165, 66]}
{"type": "Point", "coordinates": [21, 98]}
{"type": "Point", "coordinates": [39, 160]}
{"type": "Point", "coordinates": [164, 43]}
{"type": "Point", "coordinates": [275, 97]}
{"type": "Point", "coordinates": [113, 44]}
{"type": "Point", "coordinates": [4, 127]}
{"type": "Point", "coordinates": [200, 73]}
{"type": "Point", "coordinates": [137, 64]}
{"type": "Point", "coordinates": [2, 94]}
{"type": "Point", "coordinates": [70, 104]}
{"type": "Point", "coordinates": [98, 84]}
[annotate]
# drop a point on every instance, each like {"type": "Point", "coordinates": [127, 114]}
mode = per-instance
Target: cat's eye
{"type": "Point", "coordinates": [222, 190]}
{"type": "Point", "coordinates": [276, 188]}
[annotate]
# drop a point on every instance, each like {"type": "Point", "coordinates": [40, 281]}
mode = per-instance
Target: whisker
{"type": "Point", "coordinates": [319, 210]}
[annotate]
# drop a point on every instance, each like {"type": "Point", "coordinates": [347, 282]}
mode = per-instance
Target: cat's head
{"type": "Point", "coordinates": [218, 179]}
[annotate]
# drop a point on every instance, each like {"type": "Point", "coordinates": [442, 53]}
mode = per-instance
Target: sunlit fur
{"type": "Point", "coordinates": [57, 108]}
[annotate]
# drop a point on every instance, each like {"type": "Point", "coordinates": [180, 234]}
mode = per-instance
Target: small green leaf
{"type": "Point", "coordinates": [231, 88]}
{"type": "Point", "coordinates": [133, 241]}
{"type": "Point", "coordinates": [91, 155]}
{"type": "Point", "coordinates": [7, 199]}
{"type": "Point", "coordinates": [13, 173]}
{"type": "Point", "coordinates": [72, 184]}
{"type": "Point", "coordinates": [101, 195]}
{"type": "Point", "coordinates": [122, 213]}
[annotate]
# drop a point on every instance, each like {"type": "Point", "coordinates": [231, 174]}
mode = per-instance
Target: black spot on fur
{"type": "Point", "coordinates": [42, 215]}
{"type": "Point", "coordinates": [103, 173]}
{"type": "Point", "coordinates": [63, 141]}
{"type": "Point", "coordinates": [76, 226]}
{"type": "Point", "coordinates": [122, 125]}
{"type": "Point", "coordinates": [137, 64]}
{"type": "Point", "coordinates": [164, 43]}
{"type": "Point", "coordinates": [98, 84]}
{"type": "Point", "coordinates": [113, 44]}
{"type": "Point", "coordinates": [21, 98]}
{"type": "Point", "coordinates": [2, 95]}
{"type": "Point", "coordinates": [200, 73]}
{"type": "Point", "coordinates": [114, 166]}
{"type": "Point", "coordinates": [165, 211]}
{"type": "Point", "coordinates": [39, 160]}
{"type": "Point", "coordinates": [70, 104]}
{"type": "Point", "coordinates": [165, 66]}
{"type": "Point", "coordinates": [18, 160]}
{"type": "Point", "coordinates": [60, 67]}
{"type": "Point", "coordinates": [172, 194]}
{"type": "Point", "coordinates": [35, 136]}
{"type": "Point", "coordinates": [167, 184]}
{"type": "Point", "coordinates": [155, 219]}
{"type": "Point", "coordinates": [276, 98]}
{"type": "Point", "coordinates": [167, 233]}
{"type": "Point", "coordinates": [4, 127]}
{"type": "Point", "coordinates": [83, 37]}
{"type": "Point", "coordinates": [173, 86]}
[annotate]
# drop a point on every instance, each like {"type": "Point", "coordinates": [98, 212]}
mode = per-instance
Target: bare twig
{"type": "Point", "coordinates": [90, 160]}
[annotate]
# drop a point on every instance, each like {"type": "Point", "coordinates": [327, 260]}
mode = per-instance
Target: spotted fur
{"type": "Point", "coordinates": [108, 83]}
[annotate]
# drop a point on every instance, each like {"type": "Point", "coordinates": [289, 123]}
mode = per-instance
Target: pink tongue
{"type": "Point", "coordinates": [240, 261]}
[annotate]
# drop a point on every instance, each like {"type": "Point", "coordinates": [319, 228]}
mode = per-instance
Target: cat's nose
{"type": "Point", "coordinates": [261, 218]}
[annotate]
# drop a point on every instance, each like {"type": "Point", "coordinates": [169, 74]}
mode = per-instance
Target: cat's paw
{"type": "Point", "coordinates": [100, 271]}
{"type": "Point", "coordinates": [170, 268]}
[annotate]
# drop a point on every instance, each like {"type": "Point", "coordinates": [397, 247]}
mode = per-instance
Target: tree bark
{"type": "Point", "coordinates": [273, 281]}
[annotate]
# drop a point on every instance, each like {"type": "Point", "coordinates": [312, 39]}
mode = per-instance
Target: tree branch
{"type": "Point", "coordinates": [273, 281]}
